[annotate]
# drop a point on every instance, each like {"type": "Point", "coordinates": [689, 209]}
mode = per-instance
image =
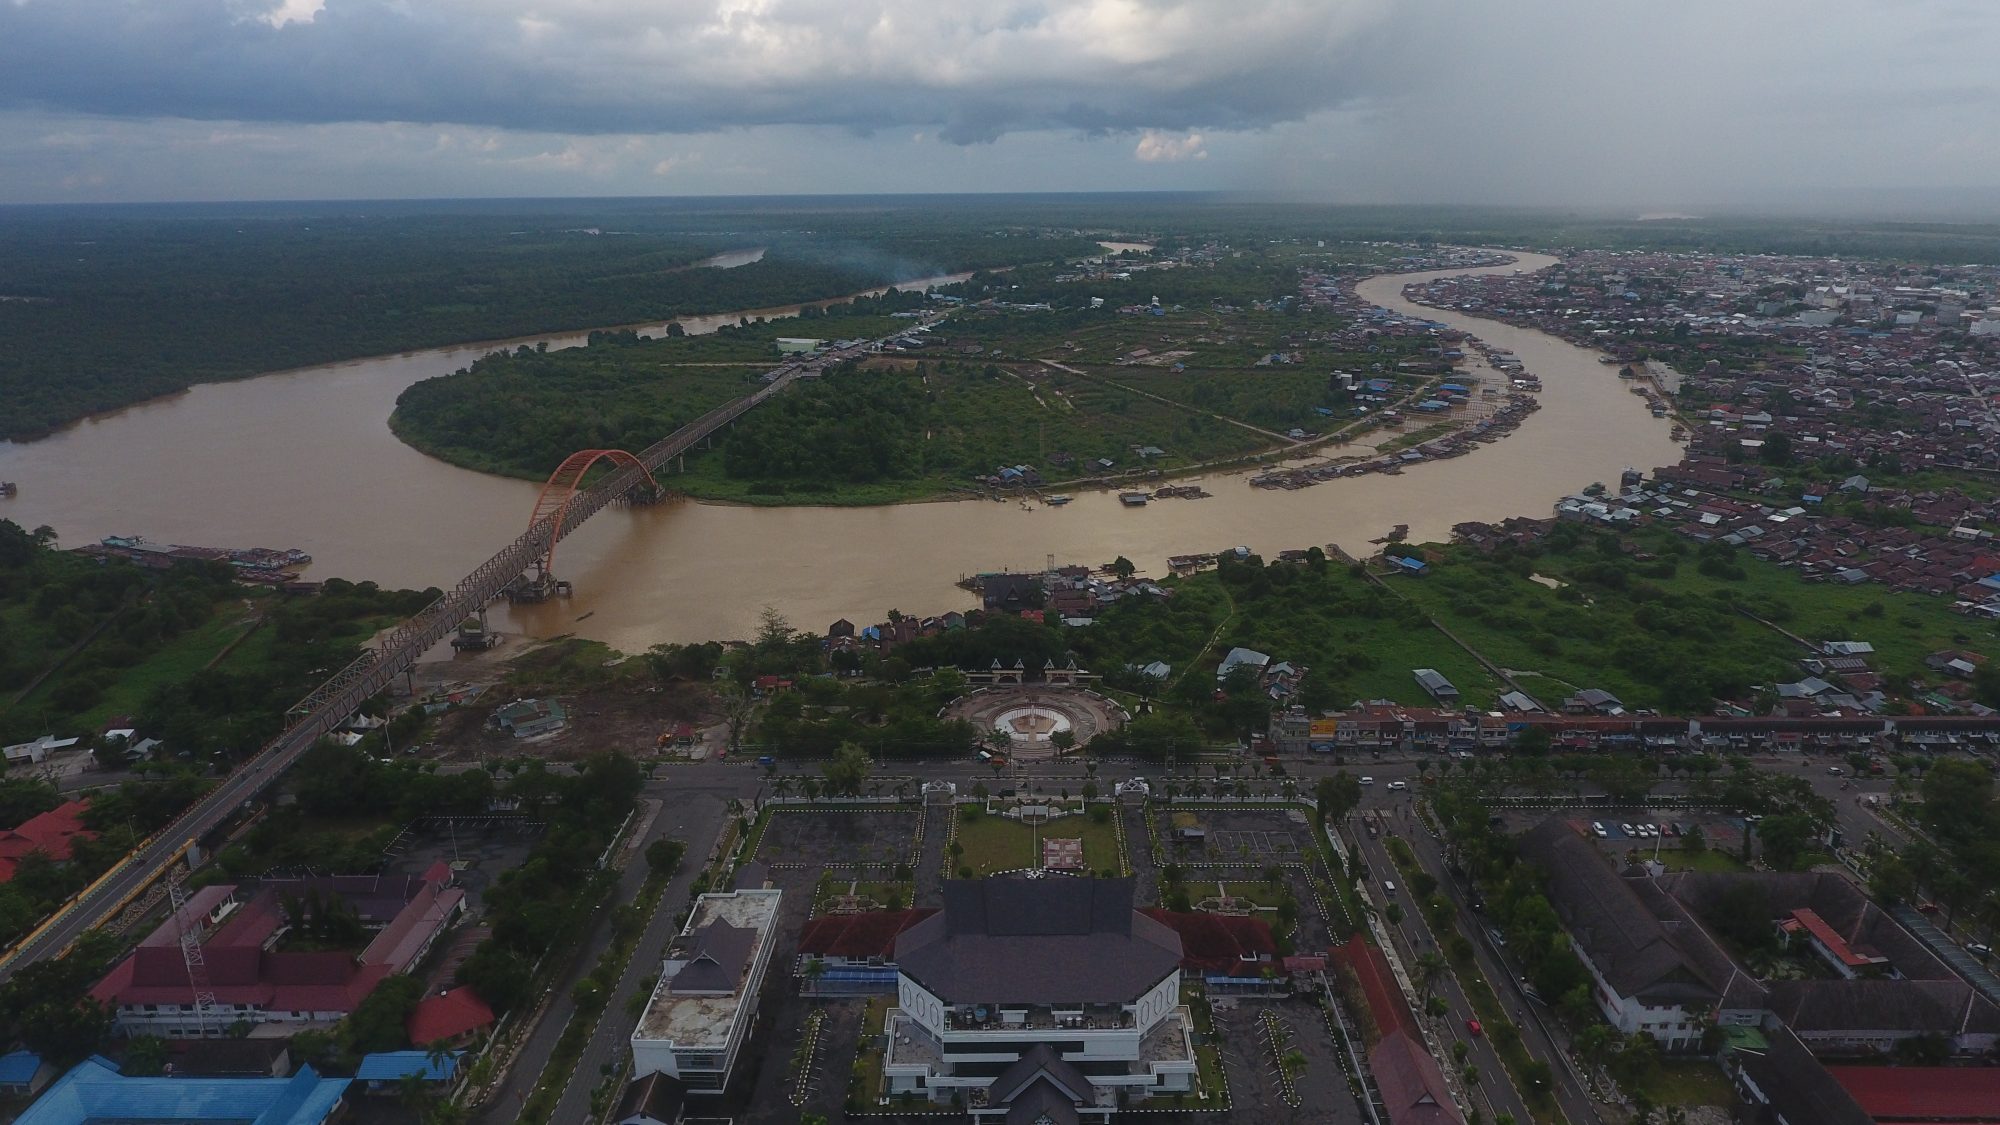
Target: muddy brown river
{"type": "Point", "coordinates": [305, 459]}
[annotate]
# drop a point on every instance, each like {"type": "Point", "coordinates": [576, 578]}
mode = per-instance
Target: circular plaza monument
{"type": "Point", "coordinates": [1029, 717]}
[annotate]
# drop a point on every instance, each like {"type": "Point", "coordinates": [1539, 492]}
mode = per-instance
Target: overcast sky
{"type": "Point", "coordinates": [1682, 104]}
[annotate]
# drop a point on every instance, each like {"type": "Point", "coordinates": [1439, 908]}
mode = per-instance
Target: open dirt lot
{"type": "Point", "coordinates": [632, 721]}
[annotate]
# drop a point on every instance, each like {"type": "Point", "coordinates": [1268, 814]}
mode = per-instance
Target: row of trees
{"type": "Point", "coordinates": [1959, 866]}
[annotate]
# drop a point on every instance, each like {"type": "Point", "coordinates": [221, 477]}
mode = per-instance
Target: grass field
{"type": "Point", "coordinates": [830, 884]}
{"type": "Point", "coordinates": [995, 843]}
{"type": "Point", "coordinates": [1361, 639]}
{"type": "Point", "coordinates": [1669, 620]}
{"type": "Point", "coordinates": [178, 659]}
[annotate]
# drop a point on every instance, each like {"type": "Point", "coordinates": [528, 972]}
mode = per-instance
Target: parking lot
{"type": "Point", "coordinates": [775, 1087]}
{"type": "Point", "coordinates": [1236, 837]}
{"type": "Point", "coordinates": [1627, 827]}
{"type": "Point", "coordinates": [1242, 846]}
{"type": "Point", "coordinates": [1255, 1090]}
{"type": "Point", "coordinates": [840, 839]}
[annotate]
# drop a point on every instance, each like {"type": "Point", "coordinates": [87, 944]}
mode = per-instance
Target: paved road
{"type": "Point", "coordinates": [1495, 1093]}
{"type": "Point", "coordinates": [692, 810]}
{"type": "Point", "coordinates": [100, 902]}
{"type": "Point", "coordinates": [1542, 1038]}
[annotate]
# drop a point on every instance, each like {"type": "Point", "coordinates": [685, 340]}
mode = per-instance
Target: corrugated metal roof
{"type": "Point", "coordinates": [94, 1091]}
{"type": "Point", "coordinates": [392, 1066]}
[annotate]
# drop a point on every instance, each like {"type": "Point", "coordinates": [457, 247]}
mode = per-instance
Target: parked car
{"type": "Point", "coordinates": [1627, 829]}
{"type": "Point", "coordinates": [1597, 829]}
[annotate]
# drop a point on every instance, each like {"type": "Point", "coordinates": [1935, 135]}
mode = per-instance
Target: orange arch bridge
{"type": "Point", "coordinates": [560, 493]}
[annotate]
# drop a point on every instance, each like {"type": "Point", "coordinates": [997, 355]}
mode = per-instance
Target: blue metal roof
{"type": "Point", "coordinates": [94, 1091]}
{"type": "Point", "coordinates": [393, 1066]}
{"type": "Point", "coordinates": [19, 1068]}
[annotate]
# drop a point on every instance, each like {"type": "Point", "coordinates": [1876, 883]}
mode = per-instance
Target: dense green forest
{"type": "Point", "coordinates": [110, 306]}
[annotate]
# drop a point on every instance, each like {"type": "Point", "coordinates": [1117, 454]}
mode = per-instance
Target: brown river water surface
{"type": "Point", "coordinates": [305, 459]}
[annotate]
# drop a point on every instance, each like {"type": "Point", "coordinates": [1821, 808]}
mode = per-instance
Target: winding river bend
{"type": "Point", "coordinates": [305, 459]}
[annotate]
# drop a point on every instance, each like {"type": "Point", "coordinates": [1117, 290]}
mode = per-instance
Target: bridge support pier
{"type": "Point", "coordinates": [537, 587]}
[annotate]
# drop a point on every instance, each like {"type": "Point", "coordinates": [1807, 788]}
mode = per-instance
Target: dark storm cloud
{"type": "Point", "coordinates": [975, 72]}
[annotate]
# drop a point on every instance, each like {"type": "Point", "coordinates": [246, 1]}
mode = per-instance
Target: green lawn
{"type": "Point", "coordinates": [1208, 1067]}
{"type": "Point", "coordinates": [995, 843]}
{"type": "Point", "coordinates": [883, 892]}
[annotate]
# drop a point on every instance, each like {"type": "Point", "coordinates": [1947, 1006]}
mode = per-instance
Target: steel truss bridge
{"type": "Point", "coordinates": [560, 509]}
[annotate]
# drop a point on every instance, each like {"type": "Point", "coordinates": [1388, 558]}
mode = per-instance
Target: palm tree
{"type": "Point", "coordinates": [1431, 968]}
{"type": "Point", "coordinates": [1294, 1062]}
{"type": "Point", "coordinates": [412, 1091]}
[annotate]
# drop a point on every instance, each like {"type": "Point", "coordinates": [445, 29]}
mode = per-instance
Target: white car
{"type": "Point", "coordinates": [1597, 829]}
{"type": "Point", "coordinates": [1627, 829]}
{"type": "Point", "coordinates": [1396, 785]}
{"type": "Point", "coordinates": [1367, 781]}
{"type": "Point", "coordinates": [1652, 831]}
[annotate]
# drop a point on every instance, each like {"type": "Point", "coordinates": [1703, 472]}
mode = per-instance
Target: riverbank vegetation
{"type": "Point", "coordinates": [1226, 370]}
{"type": "Point", "coordinates": [200, 668]}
